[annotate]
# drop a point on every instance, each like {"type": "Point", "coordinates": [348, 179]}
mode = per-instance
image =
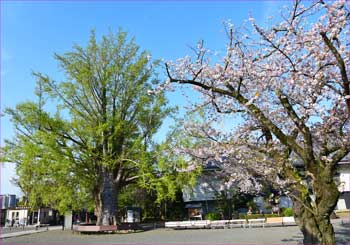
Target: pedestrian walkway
{"type": "Point", "coordinates": [32, 230]}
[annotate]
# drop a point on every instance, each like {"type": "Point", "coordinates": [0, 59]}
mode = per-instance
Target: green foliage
{"type": "Point", "coordinates": [151, 210]}
{"type": "Point", "coordinates": [225, 202]}
{"type": "Point", "coordinates": [104, 122]}
{"type": "Point", "coordinates": [268, 208]}
{"type": "Point", "coordinates": [251, 204]}
{"type": "Point", "coordinates": [288, 212]}
{"type": "Point", "coordinates": [257, 216]}
{"type": "Point", "coordinates": [171, 174]}
{"type": "Point", "coordinates": [213, 216]}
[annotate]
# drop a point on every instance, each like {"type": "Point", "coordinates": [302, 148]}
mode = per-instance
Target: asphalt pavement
{"type": "Point", "coordinates": [258, 235]}
{"type": "Point", "coordinates": [7, 232]}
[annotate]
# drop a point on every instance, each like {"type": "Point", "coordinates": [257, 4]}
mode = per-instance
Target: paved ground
{"type": "Point", "coordinates": [7, 230]}
{"type": "Point", "coordinates": [20, 231]}
{"type": "Point", "coordinates": [271, 235]}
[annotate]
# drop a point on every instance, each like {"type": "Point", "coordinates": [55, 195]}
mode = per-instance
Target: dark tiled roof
{"type": "Point", "coordinates": [345, 160]}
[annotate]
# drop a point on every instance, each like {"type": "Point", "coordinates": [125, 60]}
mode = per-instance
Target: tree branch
{"type": "Point", "coordinates": [342, 68]}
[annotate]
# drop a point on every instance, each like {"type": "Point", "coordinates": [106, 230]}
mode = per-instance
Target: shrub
{"type": "Point", "coordinates": [257, 216]}
{"type": "Point", "coordinates": [251, 216]}
{"type": "Point", "coordinates": [288, 212]}
{"type": "Point", "coordinates": [235, 215]}
{"type": "Point", "coordinates": [272, 215]}
{"type": "Point", "coordinates": [251, 204]}
{"type": "Point", "coordinates": [268, 207]}
{"type": "Point", "coordinates": [213, 216]}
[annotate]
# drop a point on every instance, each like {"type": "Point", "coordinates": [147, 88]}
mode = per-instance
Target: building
{"type": "Point", "coordinates": [343, 177]}
{"type": "Point", "coordinates": [201, 199]}
{"type": "Point", "coordinates": [44, 215]}
{"type": "Point", "coordinates": [17, 216]}
{"type": "Point", "coordinates": [7, 201]}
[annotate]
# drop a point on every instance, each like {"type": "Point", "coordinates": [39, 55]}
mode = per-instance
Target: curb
{"type": "Point", "coordinates": [23, 233]}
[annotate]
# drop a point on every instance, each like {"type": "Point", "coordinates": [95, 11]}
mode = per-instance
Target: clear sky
{"type": "Point", "coordinates": [31, 31]}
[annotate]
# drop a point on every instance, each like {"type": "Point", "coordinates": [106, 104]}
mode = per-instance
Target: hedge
{"type": "Point", "coordinates": [257, 216]}
{"type": "Point", "coordinates": [213, 216]}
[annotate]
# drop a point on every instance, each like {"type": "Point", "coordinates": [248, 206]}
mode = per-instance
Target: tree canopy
{"type": "Point", "coordinates": [290, 83]}
{"type": "Point", "coordinates": [99, 137]}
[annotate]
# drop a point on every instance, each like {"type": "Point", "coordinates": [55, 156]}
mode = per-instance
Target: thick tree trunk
{"type": "Point", "coordinates": [304, 217]}
{"type": "Point", "coordinates": [314, 220]}
{"type": "Point", "coordinates": [316, 229]}
{"type": "Point", "coordinates": [106, 200]}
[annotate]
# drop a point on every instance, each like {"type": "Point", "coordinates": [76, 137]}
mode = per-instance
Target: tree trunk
{"type": "Point", "coordinates": [316, 229]}
{"type": "Point", "coordinates": [106, 200]}
{"type": "Point", "coordinates": [304, 217]}
{"type": "Point", "coordinates": [314, 220]}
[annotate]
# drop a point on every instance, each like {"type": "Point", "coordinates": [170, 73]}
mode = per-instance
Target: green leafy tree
{"type": "Point", "coordinates": [99, 139]}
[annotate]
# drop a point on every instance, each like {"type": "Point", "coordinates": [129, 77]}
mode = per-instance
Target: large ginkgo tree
{"type": "Point", "coordinates": [90, 135]}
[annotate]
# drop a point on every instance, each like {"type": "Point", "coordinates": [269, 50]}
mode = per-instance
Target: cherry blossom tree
{"type": "Point", "coordinates": [290, 84]}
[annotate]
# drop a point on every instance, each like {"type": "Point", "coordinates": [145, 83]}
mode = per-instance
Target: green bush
{"type": "Point", "coordinates": [251, 204]}
{"type": "Point", "coordinates": [268, 208]}
{"type": "Point", "coordinates": [257, 216]}
{"type": "Point", "coordinates": [213, 216]}
{"type": "Point", "coordinates": [150, 220]}
{"type": "Point", "coordinates": [272, 215]}
{"type": "Point", "coordinates": [288, 212]}
{"type": "Point", "coordinates": [251, 216]}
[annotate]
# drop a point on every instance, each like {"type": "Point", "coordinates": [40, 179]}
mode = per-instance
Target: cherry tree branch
{"type": "Point", "coordinates": [287, 140]}
{"type": "Point", "coordinates": [342, 68]}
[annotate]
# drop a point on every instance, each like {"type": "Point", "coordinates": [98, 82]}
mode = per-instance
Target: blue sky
{"type": "Point", "coordinates": [31, 31]}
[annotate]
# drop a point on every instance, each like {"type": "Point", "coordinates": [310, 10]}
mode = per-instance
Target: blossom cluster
{"type": "Point", "coordinates": [293, 75]}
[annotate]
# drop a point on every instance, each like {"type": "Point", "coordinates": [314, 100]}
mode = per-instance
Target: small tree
{"type": "Point", "coordinates": [290, 83]}
{"type": "Point", "coordinates": [100, 137]}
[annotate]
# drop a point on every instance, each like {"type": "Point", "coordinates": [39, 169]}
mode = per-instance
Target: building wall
{"type": "Point", "coordinates": [207, 186]}
{"type": "Point", "coordinates": [2, 217]}
{"type": "Point", "coordinates": [4, 201]}
{"type": "Point", "coordinates": [344, 201]}
{"type": "Point", "coordinates": [344, 179]}
{"type": "Point", "coordinates": [344, 187]}
{"type": "Point", "coordinates": [46, 215]}
{"type": "Point", "coordinates": [203, 190]}
{"type": "Point", "coordinates": [12, 201]}
{"type": "Point", "coordinates": [284, 202]}
{"type": "Point", "coordinates": [8, 201]}
{"type": "Point", "coordinates": [18, 215]}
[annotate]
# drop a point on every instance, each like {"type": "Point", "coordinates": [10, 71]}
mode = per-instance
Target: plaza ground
{"type": "Point", "coordinates": [268, 235]}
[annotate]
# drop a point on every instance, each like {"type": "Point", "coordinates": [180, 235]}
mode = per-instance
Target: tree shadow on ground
{"type": "Point", "coordinates": [342, 234]}
{"type": "Point", "coordinates": [295, 239]}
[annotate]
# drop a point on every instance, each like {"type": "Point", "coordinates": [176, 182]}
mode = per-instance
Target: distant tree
{"type": "Point", "coordinates": [100, 137]}
{"type": "Point", "coordinates": [290, 84]}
